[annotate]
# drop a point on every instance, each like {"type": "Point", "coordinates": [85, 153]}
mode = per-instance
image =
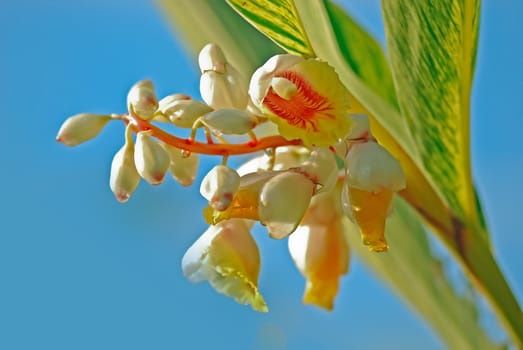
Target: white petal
{"type": "Point", "coordinates": [370, 167]}
{"type": "Point", "coordinates": [298, 246]}
{"type": "Point", "coordinates": [283, 202]}
{"type": "Point", "coordinates": [195, 256]}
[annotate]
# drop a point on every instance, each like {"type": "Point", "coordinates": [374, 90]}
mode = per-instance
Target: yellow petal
{"type": "Point", "coordinates": [323, 276]}
{"type": "Point", "coordinates": [245, 203]}
{"type": "Point", "coordinates": [227, 257]}
{"type": "Point", "coordinates": [320, 250]}
{"type": "Point", "coordinates": [321, 292]}
{"type": "Point", "coordinates": [370, 211]}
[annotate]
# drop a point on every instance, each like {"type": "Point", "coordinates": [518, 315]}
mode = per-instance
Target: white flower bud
{"type": "Point", "coordinates": [142, 99]}
{"type": "Point", "coordinates": [322, 168]}
{"type": "Point", "coordinates": [221, 85]}
{"type": "Point", "coordinates": [283, 202]}
{"type": "Point", "coordinates": [181, 110]}
{"type": "Point", "coordinates": [81, 127]}
{"type": "Point", "coordinates": [151, 159]}
{"type": "Point", "coordinates": [370, 167]}
{"type": "Point", "coordinates": [124, 177]}
{"type": "Point", "coordinates": [219, 187]}
{"type": "Point", "coordinates": [183, 168]}
{"type": "Point", "coordinates": [224, 90]}
{"type": "Point", "coordinates": [211, 57]}
{"type": "Point", "coordinates": [170, 99]}
{"type": "Point", "coordinates": [229, 121]}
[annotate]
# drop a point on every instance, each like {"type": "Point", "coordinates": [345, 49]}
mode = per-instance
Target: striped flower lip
{"type": "Point", "coordinates": [304, 97]}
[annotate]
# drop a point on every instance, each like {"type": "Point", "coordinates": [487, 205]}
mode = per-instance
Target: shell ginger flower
{"type": "Point", "coordinates": [304, 97]}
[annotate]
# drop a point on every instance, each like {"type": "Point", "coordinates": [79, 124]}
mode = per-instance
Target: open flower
{"type": "Point", "coordinates": [304, 97]}
{"type": "Point", "coordinates": [227, 257]}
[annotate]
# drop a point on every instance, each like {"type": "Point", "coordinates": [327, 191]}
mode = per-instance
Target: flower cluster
{"type": "Point", "coordinates": [321, 166]}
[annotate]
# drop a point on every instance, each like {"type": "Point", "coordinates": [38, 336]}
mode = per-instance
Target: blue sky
{"type": "Point", "coordinates": [78, 270]}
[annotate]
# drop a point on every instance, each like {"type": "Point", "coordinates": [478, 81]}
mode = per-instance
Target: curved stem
{"type": "Point", "coordinates": [220, 149]}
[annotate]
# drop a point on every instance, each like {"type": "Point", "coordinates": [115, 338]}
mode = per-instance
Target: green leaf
{"type": "Point", "coordinates": [362, 53]}
{"type": "Point", "coordinates": [248, 50]}
{"type": "Point", "coordinates": [279, 20]}
{"type": "Point", "coordinates": [432, 48]}
{"type": "Point", "coordinates": [468, 243]}
{"type": "Point", "coordinates": [412, 271]}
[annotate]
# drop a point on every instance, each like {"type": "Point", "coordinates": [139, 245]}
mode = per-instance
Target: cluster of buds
{"type": "Point", "coordinates": [321, 166]}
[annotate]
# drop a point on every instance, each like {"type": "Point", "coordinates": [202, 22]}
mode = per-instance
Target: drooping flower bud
{"type": "Point", "coordinates": [283, 202]}
{"type": "Point", "coordinates": [320, 249]}
{"type": "Point", "coordinates": [81, 127]}
{"type": "Point", "coordinates": [372, 177]}
{"type": "Point", "coordinates": [229, 121]}
{"type": "Point", "coordinates": [124, 177]}
{"type": "Point", "coordinates": [219, 187]}
{"type": "Point", "coordinates": [142, 100]}
{"type": "Point", "coordinates": [181, 110]}
{"type": "Point", "coordinates": [183, 167]}
{"type": "Point", "coordinates": [304, 97]}
{"type": "Point", "coordinates": [221, 85]}
{"type": "Point", "coordinates": [151, 159]}
{"type": "Point", "coordinates": [370, 167]}
{"type": "Point", "coordinates": [227, 256]}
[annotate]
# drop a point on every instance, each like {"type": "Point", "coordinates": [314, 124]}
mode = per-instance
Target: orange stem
{"type": "Point", "coordinates": [220, 149]}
